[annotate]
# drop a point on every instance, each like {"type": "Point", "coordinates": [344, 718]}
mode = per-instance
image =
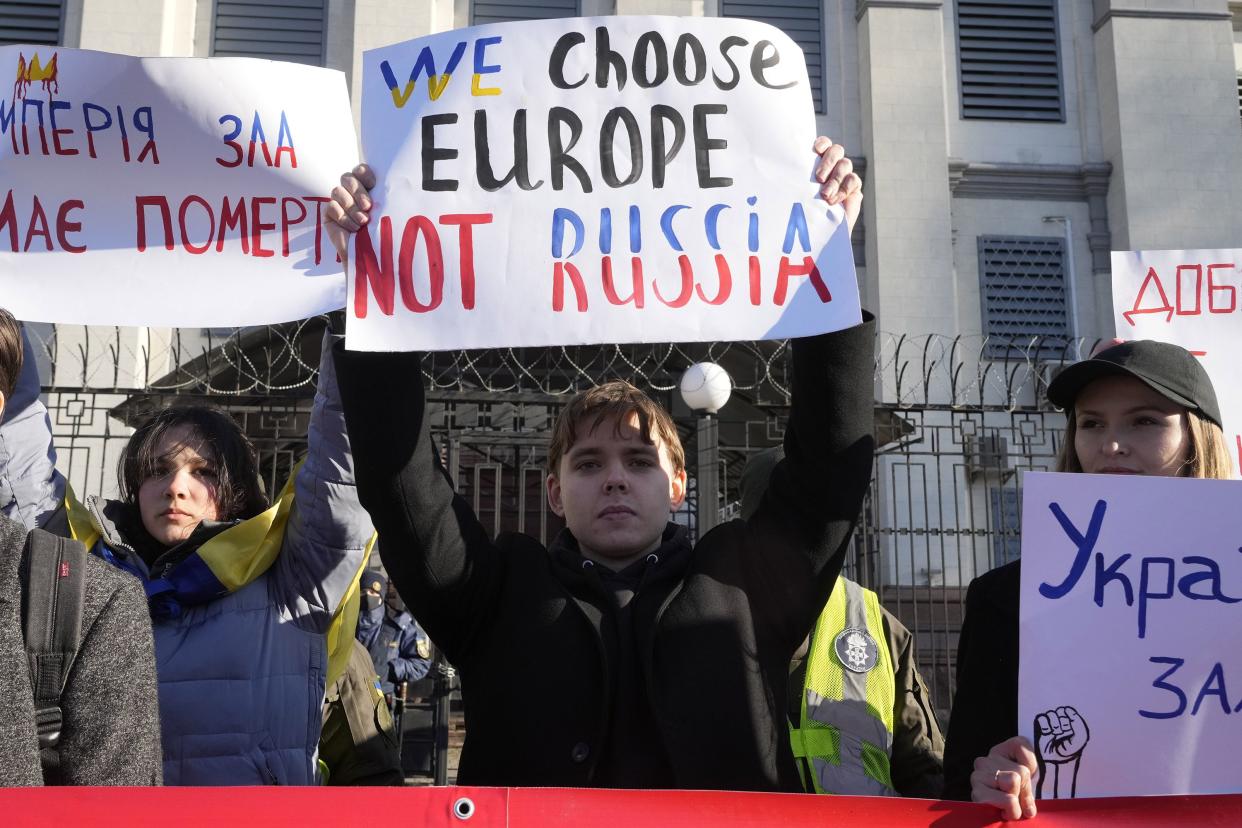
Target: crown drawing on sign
{"type": "Point", "coordinates": [35, 72]}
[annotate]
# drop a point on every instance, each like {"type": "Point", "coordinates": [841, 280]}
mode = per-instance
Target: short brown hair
{"type": "Point", "coordinates": [10, 353]}
{"type": "Point", "coordinates": [239, 489]}
{"type": "Point", "coordinates": [1209, 453]}
{"type": "Point", "coordinates": [615, 400]}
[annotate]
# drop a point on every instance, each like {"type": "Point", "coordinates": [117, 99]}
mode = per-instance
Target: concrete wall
{"type": "Point", "coordinates": [1168, 97]}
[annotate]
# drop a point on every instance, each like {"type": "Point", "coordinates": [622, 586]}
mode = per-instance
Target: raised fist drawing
{"type": "Point", "coordinates": [1060, 736]}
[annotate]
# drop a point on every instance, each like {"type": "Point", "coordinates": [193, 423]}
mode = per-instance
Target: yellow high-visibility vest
{"type": "Point", "coordinates": [844, 739]}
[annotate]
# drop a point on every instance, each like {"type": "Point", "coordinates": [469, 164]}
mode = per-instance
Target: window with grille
{"type": "Point", "coordinates": [504, 11]}
{"type": "Point", "coordinates": [291, 30]}
{"type": "Point", "coordinates": [802, 20]}
{"type": "Point", "coordinates": [1008, 61]}
{"type": "Point", "coordinates": [1240, 96]}
{"type": "Point", "coordinates": [1025, 302]}
{"type": "Point", "coordinates": [36, 22]}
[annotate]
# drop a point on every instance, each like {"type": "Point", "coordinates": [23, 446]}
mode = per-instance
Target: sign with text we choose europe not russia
{"type": "Point", "coordinates": [613, 179]}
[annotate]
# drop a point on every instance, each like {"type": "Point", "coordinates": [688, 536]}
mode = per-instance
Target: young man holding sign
{"type": "Point", "coordinates": [659, 664]}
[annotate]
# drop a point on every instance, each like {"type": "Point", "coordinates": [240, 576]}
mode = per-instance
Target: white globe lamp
{"type": "Point", "coordinates": [705, 386]}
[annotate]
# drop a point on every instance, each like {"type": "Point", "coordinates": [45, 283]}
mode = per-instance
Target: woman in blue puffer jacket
{"type": "Point", "coordinates": [248, 600]}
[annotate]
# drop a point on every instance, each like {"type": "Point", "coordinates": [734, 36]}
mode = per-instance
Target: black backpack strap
{"type": "Point", "coordinates": [53, 595]}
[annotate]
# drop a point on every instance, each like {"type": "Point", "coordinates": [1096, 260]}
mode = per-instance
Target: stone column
{"type": "Point", "coordinates": [910, 277]}
{"type": "Point", "coordinates": [145, 28]}
{"type": "Point", "coordinates": [1169, 117]}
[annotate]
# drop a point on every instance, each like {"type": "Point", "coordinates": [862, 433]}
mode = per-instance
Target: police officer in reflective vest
{"type": "Point", "coordinates": [861, 721]}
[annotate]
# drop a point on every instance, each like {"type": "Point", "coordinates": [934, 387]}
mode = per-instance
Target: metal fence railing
{"type": "Point", "coordinates": [955, 426]}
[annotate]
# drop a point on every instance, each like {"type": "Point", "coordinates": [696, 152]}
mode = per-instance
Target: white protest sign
{"type": "Point", "coordinates": [168, 191]}
{"type": "Point", "coordinates": [1131, 633]}
{"type": "Point", "coordinates": [612, 179]}
{"type": "Point", "coordinates": [1189, 298]}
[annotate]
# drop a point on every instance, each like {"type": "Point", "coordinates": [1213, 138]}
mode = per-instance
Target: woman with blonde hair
{"type": "Point", "coordinates": [1139, 407]}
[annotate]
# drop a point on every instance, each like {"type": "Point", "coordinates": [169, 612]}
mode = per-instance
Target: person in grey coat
{"type": "Point", "coordinates": [110, 728]}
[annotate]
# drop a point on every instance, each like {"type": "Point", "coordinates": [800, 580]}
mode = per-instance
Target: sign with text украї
{"type": "Point", "coordinates": [612, 179]}
{"type": "Point", "coordinates": [1131, 634]}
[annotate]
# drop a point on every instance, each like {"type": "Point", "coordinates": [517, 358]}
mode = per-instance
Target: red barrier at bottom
{"type": "Point", "coordinates": [540, 807]}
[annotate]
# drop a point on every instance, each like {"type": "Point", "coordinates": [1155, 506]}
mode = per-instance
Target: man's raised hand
{"type": "Point", "coordinates": [351, 202]}
{"type": "Point", "coordinates": [839, 184]}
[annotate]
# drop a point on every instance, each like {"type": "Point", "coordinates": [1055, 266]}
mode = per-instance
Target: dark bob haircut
{"type": "Point", "coordinates": [239, 489]}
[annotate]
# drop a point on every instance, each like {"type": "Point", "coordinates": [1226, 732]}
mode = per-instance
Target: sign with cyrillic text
{"type": "Point", "coordinates": [168, 191]}
{"type": "Point", "coordinates": [1189, 298]}
{"type": "Point", "coordinates": [1131, 634]}
{"type": "Point", "coordinates": [612, 179]}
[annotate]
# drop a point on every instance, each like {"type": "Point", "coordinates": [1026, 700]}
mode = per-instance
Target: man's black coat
{"type": "Point", "coordinates": [715, 626]}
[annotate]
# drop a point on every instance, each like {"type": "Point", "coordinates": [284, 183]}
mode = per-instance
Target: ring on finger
{"type": "Point", "coordinates": [996, 779]}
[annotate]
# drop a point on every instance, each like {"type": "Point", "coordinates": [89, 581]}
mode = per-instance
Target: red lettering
{"type": "Point", "coordinates": [379, 277]}
{"type": "Point", "coordinates": [281, 136]}
{"type": "Point", "coordinates": [636, 277]}
{"type": "Point", "coordinates": [234, 219]}
{"type": "Point", "coordinates": [56, 133]}
{"type": "Point", "coordinates": [414, 228]}
{"type": "Point", "coordinates": [149, 148]}
{"type": "Point", "coordinates": [38, 226]}
{"type": "Point", "coordinates": [286, 222]}
{"type": "Point", "coordinates": [1214, 289]}
{"type": "Point", "coordinates": [755, 295]}
{"type": "Point", "coordinates": [257, 227]}
{"type": "Point", "coordinates": [465, 222]}
{"type": "Point", "coordinates": [144, 126]}
{"type": "Point", "coordinates": [65, 226]}
{"type": "Point", "coordinates": [59, 131]}
{"type": "Point", "coordinates": [230, 143]}
{"type": "Point", "coordinates": [120, 123]}
{"type": "Point", "coordinates": [8, 218]}
{"type": "Point", "coordinates": [558, 286]}
{"type": "Point", "coordinates": [143, 202]}
{"type": "Point", "coordinates": [687, 284]}
{"type": "Point", "coordinates": [1151, 278]}
{"type": "Point", "coordinates": [267, 154]}
{"type": "Point", "coordinates": [319, 201]}
{"type": "Point", "coordinates": [726, 282]}
{"type": "Point", "coordinates": [1197, 270]}
{"type": "Point", "coordinates": [807, 268]}
{"type": "Point", "coordinates": [181, 224]}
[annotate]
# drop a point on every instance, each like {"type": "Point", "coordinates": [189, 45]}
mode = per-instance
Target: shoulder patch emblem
{"type": "Point", "coordinates": [423, 645]}
{"type": "Point", "coordinates": [856, 650]}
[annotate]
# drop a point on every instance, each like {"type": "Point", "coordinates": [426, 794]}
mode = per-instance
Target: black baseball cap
{"type": "Point", "coordinates": [1169, 370]}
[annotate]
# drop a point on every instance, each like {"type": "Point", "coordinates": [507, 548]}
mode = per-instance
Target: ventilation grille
{"type": "Point", "coordinates": [504, 11]}
{"type": "Point", "coordinates": [36, 22]}
{"type": "Point", "coordinates": [1009, 66]}
{"type": "Point", "coordinates": [802, 20]}
{"type": "Point", "coordinates": [1024, 292]}
{"type": "Point", "coordinates": [291, 30]}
